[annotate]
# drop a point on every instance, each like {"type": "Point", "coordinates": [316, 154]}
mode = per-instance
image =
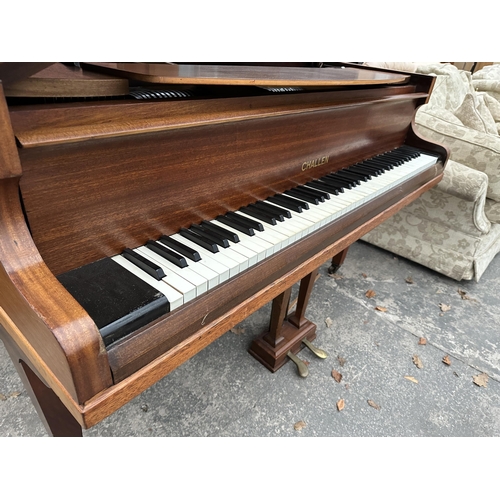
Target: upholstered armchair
{"type": "Point", "coordinates": [454, 228]}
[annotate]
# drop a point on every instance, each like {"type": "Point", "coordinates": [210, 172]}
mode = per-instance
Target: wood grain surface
{"type": "Point", "coordinates": [247, 75]}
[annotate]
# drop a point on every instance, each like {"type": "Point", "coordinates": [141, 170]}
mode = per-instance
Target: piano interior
{"type": "Point", "coordinates": [226, 184]}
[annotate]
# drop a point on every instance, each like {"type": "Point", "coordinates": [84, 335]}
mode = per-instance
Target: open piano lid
{"type": "Point", "coordinates": [194, 74]}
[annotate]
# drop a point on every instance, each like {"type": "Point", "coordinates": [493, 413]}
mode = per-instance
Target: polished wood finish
{"type": "Point", "coordinates": [337, 261]}
{"type": "Point", "coordinates": [251, 75]}
{"type": "Point", "coordinates": [60, 80]}
{"type": "Point", "coordinates": [286, 333]}
{"type": "Point", "coordinates": [86, 180]}
{"type": "Point", "coordinates": [56, 418]}
{"type": "Point", "coordinates": [10, 166]}
{"type": "Point", "coordinates": [123, 201]}
{"type": "Point", "coordinates": [12, 72]}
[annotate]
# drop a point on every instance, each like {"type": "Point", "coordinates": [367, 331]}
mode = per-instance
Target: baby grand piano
{"type": "Point", "coordinates": [146, 209]}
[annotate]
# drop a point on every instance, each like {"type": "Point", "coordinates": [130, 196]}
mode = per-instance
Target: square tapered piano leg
{"type": "Point", "coordinates": [285, 334]}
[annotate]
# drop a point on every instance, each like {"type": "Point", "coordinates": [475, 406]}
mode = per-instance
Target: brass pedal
{"type": "Point", "coordinates": [315, 350]}
{"type": "Point", "coordinates": [301, 366]}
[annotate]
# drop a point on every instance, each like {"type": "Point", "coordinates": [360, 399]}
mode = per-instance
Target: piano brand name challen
{"type": "Point", "coordinates": [315, 163]}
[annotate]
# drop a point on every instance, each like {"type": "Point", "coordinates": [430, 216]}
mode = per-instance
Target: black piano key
{"type": "Point", "coordinates": [244, 221]}
{"type": "Point", "coordinates": [314, 192]}
{"type": "Point", "coordinates": [278, 217]}
{"type": "Point", "coordinates": [405, 148]}
{"type": "Point", "coordinates": [334, 180]}
{"type": "Point", "coordinates": [225, 233]}
{"type": "Point", "coordinates": [287, 202]}
{"type": "Point", "coordinates": [367, 175]}
{"type": "Point", "coordinates": [235, 225]}
{"type": "Point", "coordinates": [373, 169]}
{"type": "Point", "coordinates": [274, 209]}
{"type": "Point", "coordinates": [384, 158]}
{"type": "Point", "coordinates": [302, 196]}
{"type": "Point", "coordinates": [376, 163]}
{"type": "Point", "coordinates": [167, 254]}
{"type": "Point", "coordinates": [181, 248]}
{"type": "Point", "coordinates": [351, 177]}
{"type": "Point", "coordinates": [146, 265]}
{"type": "Point", "coordinates": [325, 187]}
{"type": "Point", "coordinates": [118, 301]}
{"type": "Point", "coordinates": [199, 240]}
{"type": "Point", "coordinates": [398, 156]}
{"type": "Point", "coordinates": [363, 177]}
{"type": "Point", "coordinates": [258, 214]}
{"type": "Point", "coordinates": [217, 239]}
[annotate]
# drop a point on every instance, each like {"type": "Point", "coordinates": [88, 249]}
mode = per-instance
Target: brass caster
{"type": "Point", "coordinates": [301, 366]}
{"type": "Point", "coordinates": [319, 352]}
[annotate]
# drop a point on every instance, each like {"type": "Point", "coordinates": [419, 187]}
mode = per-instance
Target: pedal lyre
{"type": "Point", "coordinates": [301, 366]}
{"type": "Point", "coordinates": [315, 350]}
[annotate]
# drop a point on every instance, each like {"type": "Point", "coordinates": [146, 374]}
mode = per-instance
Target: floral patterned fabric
{"type": "Point", "coordinates": [454, 228]}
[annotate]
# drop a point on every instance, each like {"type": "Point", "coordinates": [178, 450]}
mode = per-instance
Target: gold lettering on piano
{"type": "Point", "coordinates": [315, 163]}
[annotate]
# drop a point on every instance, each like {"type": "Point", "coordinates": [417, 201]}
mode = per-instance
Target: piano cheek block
{"type": "Point", "coordinates": [117, 301]}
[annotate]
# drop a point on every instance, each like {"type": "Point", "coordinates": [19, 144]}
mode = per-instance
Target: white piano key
{"type": "Point", "coordinates": [225, 268]}
{"type": "Point", "coordinates": [280, 228]}
{"type": "Point", "coordinates": [228, 262]}
{"type": "Point", "coordinates": [277, 238]}
{"type": "Point", "coordinates": [250, 255]}
{"type": "Point", "coordinates": [175, 298]}
{"type": "Point", "coordinates": [254, 243]}
{"type": "Point", "coordinates": [198, 267]}
{"type": "Point", "coordinates": [256, 238]}
{"type": "Point", "coordinates": [199, 283]}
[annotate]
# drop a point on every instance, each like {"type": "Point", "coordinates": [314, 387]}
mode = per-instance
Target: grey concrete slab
{"type": "Point", "coordinates": [223, 391]}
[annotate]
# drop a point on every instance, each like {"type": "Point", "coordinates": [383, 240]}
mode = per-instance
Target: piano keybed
{"type": "Point", "coordinates": [127, 291]}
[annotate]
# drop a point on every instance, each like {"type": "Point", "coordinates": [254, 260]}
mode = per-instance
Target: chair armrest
{"type": "Point", "coordinates": [477, 150]}
{"type": "Point", "coordinates": [463, 182]}
{"type": "Point", "coordinates": [471, 186]}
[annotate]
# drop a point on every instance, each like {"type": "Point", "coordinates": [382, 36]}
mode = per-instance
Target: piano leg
{"type": "Point", "coordinates": [56, 418]}
{"type": "Point", "coordinates": [285, 334]}
{"type": "Point", "coordinates": [337, 261]}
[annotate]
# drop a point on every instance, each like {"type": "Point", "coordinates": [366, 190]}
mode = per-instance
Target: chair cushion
{"type": "Point", "coordinates": [474, 113]}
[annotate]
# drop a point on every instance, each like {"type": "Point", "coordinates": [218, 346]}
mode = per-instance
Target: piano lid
{"type": "Point", "coordinates": [191, 74]}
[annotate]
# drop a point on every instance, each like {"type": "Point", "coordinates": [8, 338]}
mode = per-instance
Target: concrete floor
{"type": "Point", "coordinates": [223, 391]}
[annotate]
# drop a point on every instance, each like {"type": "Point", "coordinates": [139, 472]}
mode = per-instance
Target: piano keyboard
{"type": "Point", "coordinates": [127, 291]}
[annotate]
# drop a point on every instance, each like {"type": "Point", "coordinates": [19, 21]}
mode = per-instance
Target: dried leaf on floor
{"type": "Point", "coordinates": [411, 379]}
{"type": "Point", "coordinates": [341, 360]}
{"type": "Point", "coordinates": [444, 307]}
{"type": "Point", "coordinates": [481, 380]}
{"type": "Point", "coordinates": [328, 322]}
{"type": "Point", "coordinates": [238, 330]}
{"type": "Point", "coordinates": [3, 397]}
{"type": "Point", "coordinates": [464, 295]}
{"type": "Point", "coordinates": [370, 294]}
{"type": "Point", "coordinates": [417, 361]}
{"type": "Point", "coordinates": [299, 425]}
{"type": "Point", "coordinates": [340, 404]}
{"type": "Point", "coordinates": [14, 394]}
{"type": "Point", "coordinates": [409, 280]}
{"type": "Point", "coordinates": [446, 360]}
{"type": "Point", "coordinates": [336, 375]}
{"type": "Point", "coordinates": [373, 404]}
{"type": "Point", "coordinates": [336, 276]}
{"type": "Point", "coordinates": [364, 275]}
{"type": "Point", "coordinates": [422, 341]}
{"type": "Point", "coordinates": [381, 309]}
